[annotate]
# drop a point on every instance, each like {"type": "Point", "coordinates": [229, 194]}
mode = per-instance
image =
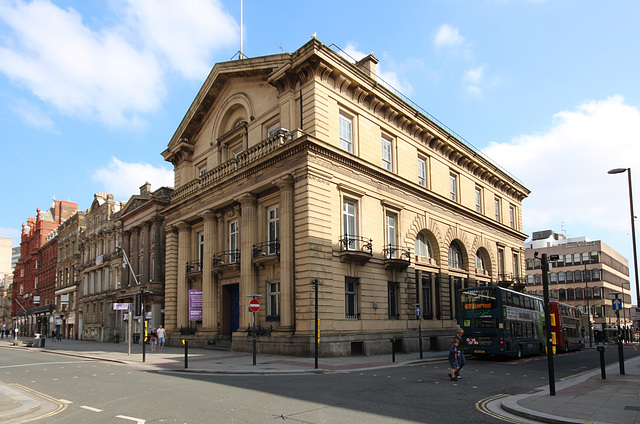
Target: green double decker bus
{"type": "Point", "coordinates": [499, 321]}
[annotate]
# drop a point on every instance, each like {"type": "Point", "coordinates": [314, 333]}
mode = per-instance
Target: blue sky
{"type": "Point", "coordinates": [91, 92]}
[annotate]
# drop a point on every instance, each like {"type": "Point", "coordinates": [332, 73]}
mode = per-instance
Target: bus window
{"type": "Point", "coordinates": [527, 303]}
{"type": "Point", "coordinates": [517, 300]}
{"type": "Point", "coordinates": [479, 299]}
{"type": "Point", "coordinates": [486, 323]}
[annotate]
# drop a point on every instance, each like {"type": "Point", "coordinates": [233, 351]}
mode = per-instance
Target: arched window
{"type": "Point", "coordinates": [553, 277]}
{"type": "Point", "coordinates": [576, 258]}
{"type": "Point", "coordinates": [423, 246]}
{"type": "Point", "coordinates": [594, 256]}
{"type": "Point", "coordinates": [569, 276]}
{"type": "Point", "coordinates": [479, 261]}
{"type": "Point", "coordinates": [567, 259]}
{"type": "Point", "coordinates": [455, 256]}
{"type": "Point", "coordinates": [538, 278]}
{"type": "Point", "coordinates": [530, 279]}
{"type": "Point", "coordinates": [562, 294]}
{"type": "Point", "coordinates": [561, 278]}
{"type": "Point", "coordinates": [529, 263]}
{"type": "Point", "coordinates": [595, 275]}
{"type": "Point", "coordinates": [585, 257]}
{"type": "Point", "coordinates": [578, 276]}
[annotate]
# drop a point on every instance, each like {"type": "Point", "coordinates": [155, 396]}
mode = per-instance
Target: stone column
{"type": "Point", "coordinates": [171, 279]}
{"type": "Point", "coordinates": [209, 301]}
{"type": "Point", "coordinates": [248, 279]}
{"type": "Point", "coordinates": [158, 259]}
{"type": "Point", "coordinates": [126, 245]}
{"type": "Point", "coordinates": [134, 257]}
{"type": "Point", "coordinates": [286, 254]}
{"type": "Point", "coordinates": [146, 252]}
{"type": "Point", "coordinates": [184, 254]}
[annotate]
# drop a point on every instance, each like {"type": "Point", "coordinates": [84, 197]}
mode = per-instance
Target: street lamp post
{"type": "Point", "coordinates": [633, 229]}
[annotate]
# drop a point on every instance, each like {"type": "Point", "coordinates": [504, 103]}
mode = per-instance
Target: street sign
{"type": "Point", "coordinates": [418, 311]}
{"type": "Point", "coordinates": [635, 313]}
{"type": "Point", "coordinates": [254, 305]}
{"type": "Point", "coordinates": [616, 304]}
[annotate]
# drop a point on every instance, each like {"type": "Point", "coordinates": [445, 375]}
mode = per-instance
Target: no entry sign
{"type": "Point", "coordinates": [254, 305]}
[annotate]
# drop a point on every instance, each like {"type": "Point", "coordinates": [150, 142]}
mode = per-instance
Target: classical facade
{"type": "Point", "coordinates": [587, 274]}
{"type": "Point", "coordinates": [68, 280]}
{"type": "Point", "coordinates": [302, 167]}
{"type": "Point", "coordinates": [100, 270]}
{"type": "Point", "coordinates": [141, 225]}
{"type": "Point", "coordinates": [33, 306]}
{"type": "Point", "coordinates": [6, 281]}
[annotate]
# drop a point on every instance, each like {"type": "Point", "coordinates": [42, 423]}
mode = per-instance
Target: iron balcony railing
{"type": "Point", "coordinates": [351, 243]}
{"type": "Point", "coordinates": [194, 266]}
{"type": "Point", "coordinates": [397, 252]}
{"type": "Point", "coordinates": [226, 258]}
{"type": "Point", "coordinates": [266, 248]}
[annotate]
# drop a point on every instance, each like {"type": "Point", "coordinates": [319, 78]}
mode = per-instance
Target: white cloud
{"type": "Point", "coordinates": [124, 179]}
{"type": "Point", "coordinates": [114, 74]}
{"type": "Point", "coordinates": [390, 79]}
{"type": "Point", "coordinates": [183, 33]}
{"type": "Point", "coordinates": [566, 168]}
{"type": "Point", "coordinates": [33, 116]}
{"type": "Point", "coordinates": [448, 36]}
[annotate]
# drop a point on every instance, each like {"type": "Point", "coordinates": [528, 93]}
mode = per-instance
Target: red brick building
{"type": "Point", "coordinates": [34, 275]}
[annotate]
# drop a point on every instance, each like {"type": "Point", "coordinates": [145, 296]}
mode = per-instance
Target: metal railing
{"type": "Point", "coordinates": [226, 258]}
{"type": "Point", "coordinates": [351, 243]}
{"type": "Point", "coordinates": [266, 248]}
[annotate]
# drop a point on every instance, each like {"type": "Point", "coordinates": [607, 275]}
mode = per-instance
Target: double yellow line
{"type": "Point", "coordinates": [59, 405]}
{"type": "Point", "coordinates": [481, 406]}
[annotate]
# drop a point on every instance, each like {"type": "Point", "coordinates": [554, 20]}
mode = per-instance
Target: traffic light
{"type": "Point", "coordinates": [137, 304]}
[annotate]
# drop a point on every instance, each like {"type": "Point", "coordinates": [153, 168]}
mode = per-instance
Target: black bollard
{"type": "Point", "coordinates": [620, 356]}
{"type": "Point", "coordinates": [186, 353]}
{"type": "Point", "coordinates": [393, 349]}
{"type": "Point", "coordinates": [603, 371]}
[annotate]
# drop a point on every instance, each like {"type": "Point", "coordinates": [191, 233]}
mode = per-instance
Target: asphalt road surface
{"type": "Point", "coordinates": [74, 390]}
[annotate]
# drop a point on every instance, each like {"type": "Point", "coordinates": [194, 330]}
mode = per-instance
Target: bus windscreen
{"type": "Point", "coordinates": [479, 299]}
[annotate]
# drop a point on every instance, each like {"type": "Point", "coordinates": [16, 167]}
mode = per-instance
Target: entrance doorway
{"type": "Point", "coordinates": [230, 308]}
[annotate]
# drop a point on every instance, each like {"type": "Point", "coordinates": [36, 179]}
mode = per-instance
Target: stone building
{"type": "Point", "coordinates": [101, 270]}
{"type": "Point", "coordinates": [29, 313]}
{"type": "Point", "coordinates": [142, 234]}
{"type": "Point", "coordinates": [68, 270]}
{"type": "Point", "coordinates": [587, 274]}
{"type": "Point", "coordinates": [298, 167]}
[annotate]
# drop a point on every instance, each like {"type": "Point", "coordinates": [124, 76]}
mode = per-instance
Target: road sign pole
{"type": "Point", "coordinates": [254, 306]}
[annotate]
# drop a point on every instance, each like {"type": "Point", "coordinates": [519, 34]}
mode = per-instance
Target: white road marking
{"type": "Point", "coordinates": [138, 420]}
{"type": "Point", "coordinates": [90, 408]}
{"type": "Point", "coordinates": [65, 401]}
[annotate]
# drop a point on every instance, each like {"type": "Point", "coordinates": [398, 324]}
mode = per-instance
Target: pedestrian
{"type": "Point", "coordinates": [154, 339]}
{"type": "Point", "coordinates": [462, 360]}
{"type": "Point", "coordinates": [161, 334]}
{"type": "Point", "coordinates": [454, 356]}
{"type": "Point", "coordinates": [53, 335]}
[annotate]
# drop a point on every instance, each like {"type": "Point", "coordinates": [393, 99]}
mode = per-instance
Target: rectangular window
{"type": "Point", "coordinates": [349, 224]}
{"type": "Point", "coordinates": [501, 263]}
{"type": "Point", "coordinates": [390, 233]}
{"type": "Point", "coordinates": [36, 283]}
{"type": "Point", "coordinates": [202, 170]}
{"type": "Point", "coordinates": [496, 207]}
{"type": "Point", "coordinates": [351, 297]}
{"type": "Point", "coordinates": [233, 242]}
{"type": "Point", "coordinates": [274, 300]}
{"type": "Point", "coordinates": [453, 187]}
{"type": "Point", "coordinates": [422, 172]}
{"type": "Point", "coordinates": [512, 216]}
{"type": "Point", "coordinates": [200, 248]}
{"type": "Point", "coordinates": [392, 290]}
{"type": "Point", "coordinates": [427, 301]}
{"type": "Point", "coordinates": [346, 133]}
{"type": "Point", "coordinates": [273, 129]}
{"type": "Point", "coordinates": [516, 265]}
{"type": "Point", "coordinates": [387, 154]}
{"type": "Point", "coordinates": [478, 200]}
{"type": "Point", "coordinates": [273, 222]}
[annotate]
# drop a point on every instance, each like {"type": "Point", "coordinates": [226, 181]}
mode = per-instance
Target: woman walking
{"type": "Point", "coordinates": [454, 358]}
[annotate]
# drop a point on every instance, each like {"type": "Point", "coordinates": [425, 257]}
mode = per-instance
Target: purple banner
{"type": "Point", "coordinates": [195, 305]}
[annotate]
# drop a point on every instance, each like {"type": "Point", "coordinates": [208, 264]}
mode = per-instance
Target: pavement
{"type": "Point", "coordinates": [585, 398]}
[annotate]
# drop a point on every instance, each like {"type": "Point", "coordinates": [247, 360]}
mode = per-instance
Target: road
{"type": "Point", "coordinates": [81, 391]}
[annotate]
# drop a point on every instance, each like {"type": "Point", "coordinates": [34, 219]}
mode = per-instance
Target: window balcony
{"type": "Point", "coordinates": [266, 252]}
{"type": "Point", "coordinates": [194, 267]}
{"type": "Point", "coordinates": [396, 257]}
{"type": "Point", "coordinates": [226, 259]}
{"type": "Point", "coordinates": [355, 249]}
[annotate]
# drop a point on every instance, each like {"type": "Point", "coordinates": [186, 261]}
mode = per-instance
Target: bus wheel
{"type": "Point", "coordinates": [519, 354]}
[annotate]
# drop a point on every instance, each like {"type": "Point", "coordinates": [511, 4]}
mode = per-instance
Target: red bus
{"type": "Point", "coordinates": [566, 327]}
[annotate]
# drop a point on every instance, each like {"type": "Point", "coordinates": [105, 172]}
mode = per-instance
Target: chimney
{"type": "Point", "coordinates": [368, 65]}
